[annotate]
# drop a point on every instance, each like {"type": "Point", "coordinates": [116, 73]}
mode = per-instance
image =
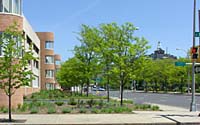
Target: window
{"type": "Point", "coordinates": [49, 86]}
{"type": "Point", "coordinates": [10, 6]}
{"type": "Point", "coordinates": [49, 59]}
{"type": "Point", "coordinates": [36, 49]}
{"type": "Point", "coordinates": [1, 5]}
{"type": "Point", "coordinates": [7, 5]}
{"type": "Point", "coordinates": [49, 44]}
{"type": "Point", "coordinates": [49, 73]}
{"type": "Point", "coordinates": [57, 62]}
{"type": "Point", "coordinates": [36, 64]}
{"type": "Point", "coordinates": [16, 6]}
{"type": "Point", "coordinates": [36, 82]}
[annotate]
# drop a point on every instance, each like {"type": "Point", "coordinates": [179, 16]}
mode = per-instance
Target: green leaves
{"type": "Point", "coordinates": [14, 62]}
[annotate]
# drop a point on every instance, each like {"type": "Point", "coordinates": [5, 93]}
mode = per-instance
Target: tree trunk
{"type": "Point", "coordinates": [88, 82]}
{"type": "Point", "coordinates": [107, 86]}
{"type": "Point", "coordinates": [122, 88]}
{"type": "Point", "coordinates": [146, 86]}
{"type": "Point", "coordinates": [9, 110]}
{"type": "Point", "coordinates": [9, 103]}
{"type": "Point", "coordinates": [81, 89]}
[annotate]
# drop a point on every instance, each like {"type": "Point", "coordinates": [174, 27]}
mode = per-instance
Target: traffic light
{"type": "Point", "coordinates": [194, 51]}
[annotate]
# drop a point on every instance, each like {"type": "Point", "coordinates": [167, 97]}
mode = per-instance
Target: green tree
{"type": "Point", "coordinates": [14, 62]}
{"type": "Point", "coordinates": [71, 74]}
{"type": "Point", "coordinates": [86, 52]}
{"type": "Point", "coordinates": [127, 51]}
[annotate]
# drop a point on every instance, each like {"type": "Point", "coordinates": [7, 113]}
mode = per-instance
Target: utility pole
{"type": "Point", "coordinates": [193, 103]}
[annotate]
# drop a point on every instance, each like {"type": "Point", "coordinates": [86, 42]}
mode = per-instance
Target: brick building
{"type": "Point", "coordinates": [42, 43]}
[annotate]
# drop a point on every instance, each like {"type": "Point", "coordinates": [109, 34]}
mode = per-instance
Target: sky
{"type": "Point", "coordinates": [167, 21]}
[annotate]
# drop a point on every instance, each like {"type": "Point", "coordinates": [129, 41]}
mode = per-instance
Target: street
{"type": "Point", "coordinates": [177, 100]}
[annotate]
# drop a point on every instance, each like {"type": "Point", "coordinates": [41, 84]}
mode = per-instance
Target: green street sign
{"type": "Point", "coordinates": [98, 80]}
{"type": "Point", "coordinates": [180, 63]}
{"type": "Point", "coordinates": [197, 34]}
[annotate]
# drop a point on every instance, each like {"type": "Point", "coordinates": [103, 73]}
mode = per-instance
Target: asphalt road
{"type": "Point", "coordinates": [177, 100]}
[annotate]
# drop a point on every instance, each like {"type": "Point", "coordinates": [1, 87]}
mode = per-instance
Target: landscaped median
{"type": "Point", "coordinates": [50, 102]}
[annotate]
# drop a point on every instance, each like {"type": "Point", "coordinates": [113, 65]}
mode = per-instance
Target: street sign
{"type": "Point", "coordinates": [197, 34]}
{"type": "Point", "coordinates": [180, 63]}
{"type": "Point", "coordinates": [197, 68]}
{"type": "Point", "coordinates": [98, 80]}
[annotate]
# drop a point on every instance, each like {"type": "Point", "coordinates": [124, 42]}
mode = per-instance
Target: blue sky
{"type": "Point", "coordinates": [167, 21]}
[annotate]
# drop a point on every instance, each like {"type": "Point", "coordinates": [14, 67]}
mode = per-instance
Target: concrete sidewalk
{"type": "Point", "coordinates": [170, 116]}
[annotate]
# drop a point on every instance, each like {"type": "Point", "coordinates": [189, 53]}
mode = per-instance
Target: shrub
{"type": "Point", "coordinates": [4, 109]}
{"type": "Point", "coordinates": [51, 110]}
{"type": "Point", "coordinates": [66, 110]}
{"type": "Point", "coordinates": [155, 108]}
{"type": "Point", "coordinates": [72, 101]}
{"type": "Point", "coordinates": [101, 103]}
{"type": "Point", "coordinates": [59, 103]}
{"type": "Point", "coordinates": [95, 111]}
{"type": "Point", "coordinates": [142, 107]}
{"type": "Point", "coordinates": [107, 110]}
{"type": "Point", "coordinates": [82, 110]}
{"type": "Point", "coordinates": [128, 101]}
{"type": "Point", "coordinates": [91, 102]}
{"type": "Point", "coordinates": [145, 106]}
{"type": "Point", "coordinates": [34, 110]}
{"type": "Point", "coordinates": [24, 107]}
{"type": "Point", "coordinates": [118, 110]}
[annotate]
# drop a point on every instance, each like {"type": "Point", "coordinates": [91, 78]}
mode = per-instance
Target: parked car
{"type": "Point", "coordinates": [94, 88]}
{"type": "Point", "coordinates": [100, 89]}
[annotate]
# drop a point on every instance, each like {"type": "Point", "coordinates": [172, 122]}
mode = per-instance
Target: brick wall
{"type": "Point", "coordinates": [9, 19]}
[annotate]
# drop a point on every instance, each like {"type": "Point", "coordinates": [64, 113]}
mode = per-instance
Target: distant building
{"type": "Point", "coordinates": [160, 54]}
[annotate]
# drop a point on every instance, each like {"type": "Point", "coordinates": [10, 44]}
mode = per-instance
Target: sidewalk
{"type": "Point", "coordinates": [170, 116]}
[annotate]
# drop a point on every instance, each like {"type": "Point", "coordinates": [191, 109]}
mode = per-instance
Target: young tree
{"type": "Point", "coordinates": [86, 52]}
{"type": "Point", "coordinates": [71, 74]}
{"type": "Point", "coordinates": [13, 64]}
{"type": "Point", "coordinates": [128, 50]}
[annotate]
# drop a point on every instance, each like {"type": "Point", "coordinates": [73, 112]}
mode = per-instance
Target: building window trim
{"type": "Point", "coordinates": [49, 73]}
{"type": "Point", "coordinates": [49, 45]}
{"type": "Point", "coordinates": [49, 59]}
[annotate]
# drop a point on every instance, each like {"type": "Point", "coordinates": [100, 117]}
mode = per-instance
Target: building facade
{"type": "Point", "coordinates": [49, 62]}
{"type": "Point", "coordinates": [44, 67]}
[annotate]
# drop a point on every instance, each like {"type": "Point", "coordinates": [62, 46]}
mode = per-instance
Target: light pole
{"type": "Point", "coordinates": [188, 72]}
{"type": "Point", "coordinates": [193, 102]}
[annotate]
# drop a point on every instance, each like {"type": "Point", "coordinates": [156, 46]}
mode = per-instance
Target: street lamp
{"type": "Point", "coordinates": [188, 73]}
{"type": "Point", "coordinates": [193, 102]}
